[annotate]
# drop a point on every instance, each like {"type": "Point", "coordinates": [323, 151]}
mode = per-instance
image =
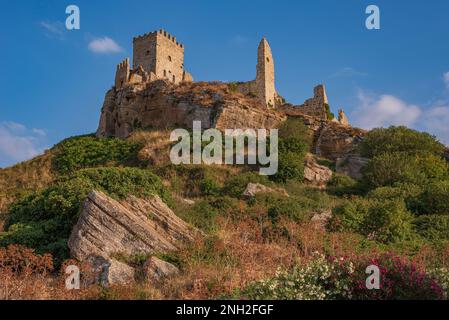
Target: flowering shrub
{"type": "Point", "coordinates": [318, 280]}
{"type": "Point", "coordinates": [442, 276]}
{"type": "Point", "coordinates": [399, 279]}
{"type": "Point", "coordinates": [345, 278]}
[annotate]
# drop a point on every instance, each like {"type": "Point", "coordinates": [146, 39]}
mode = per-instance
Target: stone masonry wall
{"type": "Point", "coordinates": [316, 106]}
{"type": "Point", "coordinates": [169, 58]}
{"type": "Point", "coordinates": [144, 52]}
{"type": "Point", "coordinates": [159, 52]}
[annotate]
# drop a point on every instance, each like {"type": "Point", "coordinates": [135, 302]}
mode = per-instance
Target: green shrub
{"type": "Point", "coordinates": [87, 151]}
{"type": "Point", "coordinates": [434, 199]}
{"type": "Point", "coordinates": [399, 139]}
{"type": "Point", "coordinates": [209, 187]}
{"type": "Point", "coordinates": [294, 143]}
{"type": "Point", "coordinates": [387, 169]}
{"type": "Point", "coordinates": [341, 185]}
{"type": "Point", "coordinates": [202, 215]}
{"type": "Point", "coordinates": [380, 220]}
{"type": "Point", "coordinates": [194, 180]}
{"type": "Point", "coordinates": [350, 216]}
{"type": "Point", "coordinates": [279, 206]}
{"type": "Point", "coordinates": [407, 192]}
{"type": "Point", "coordinates": [388, 221]}
{"type": "Point", "coordinates": [432, 227]}
{"type": "Point", "coordinates": [403, 191]}
{"type": "Point", "coordinates": [329, 114]}
{"type": "Point", "coordinates": [44, 220]}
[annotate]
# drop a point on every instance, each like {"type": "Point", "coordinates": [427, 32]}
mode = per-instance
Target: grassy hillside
{"type": "Point", "coordinates": [265, 247]}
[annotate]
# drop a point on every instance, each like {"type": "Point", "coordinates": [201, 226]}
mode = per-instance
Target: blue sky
{"type": "Point", "coordinates": [53, 83]}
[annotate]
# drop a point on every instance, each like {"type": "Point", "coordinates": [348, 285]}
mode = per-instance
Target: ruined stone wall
{"type": "Point", "coordinates": [316, 106]}
{"type": "Point", "coordinates": [122, 74]}
{"type": "Point", "coordinates": [265, 88]}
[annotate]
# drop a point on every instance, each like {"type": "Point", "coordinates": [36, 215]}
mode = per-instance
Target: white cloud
{"type": "Point", "coordinates": [446, 79]}
{"type": "Point", "coordinates": [104, 45]}
{"type": "Point", "coordinates": [17, 143]}
{"type": "Point", "coordinates": [436, 121]}
{"type": "Point", "coordinates": [53, 29]}
{"type": "Point", "coordinates": [383, 111]}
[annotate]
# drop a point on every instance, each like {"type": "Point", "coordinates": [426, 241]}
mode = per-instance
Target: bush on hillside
{"type": "Point", "coordinates": [399, 139]}
{"type": "Point", "coordinates": [380, 220]}
{"type": "Point", "coordinates": [294, 143]}
{"type": "Point", "coordinates": [88, 151]}
{"type": "Point", "coordinates": [432, 227]}
{"type": "Point", "coordinates": [388, 169]}
{"type": "Point", "coordinates": [341, 185]}
{"type": "Point", "coordinates": [434, 199]}
{"type": "Point", "coordinates": [345, 279]}
{"type": "Point", "coordinates": [388, 221]}
{"type": "Point", "coordinates": [400, 190]}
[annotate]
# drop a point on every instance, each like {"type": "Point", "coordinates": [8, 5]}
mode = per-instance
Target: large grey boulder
{"type": "Point", "coordinates": [156, 269]}
{"type": "Point", "coordinates": [351, 165]}
{"type": "Point", "coordinates": [107, 228]}
{"type": "Point", "coordinates": [254, 188]}
{"type": "Point", "coordinates": [315, 173]}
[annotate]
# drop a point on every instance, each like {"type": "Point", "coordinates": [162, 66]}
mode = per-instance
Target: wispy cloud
{"type": "Point", "coordinates": [446, 79]}
{"type": "Point", "coordinates": [104, 45]}
{"type": "Point", "coordinates": [238, 39]}
{"type": "Point", "coordinates": [53, 29]}
{"type": "Point", "coordinates": [347, 72]}
{"type": "Point", "coordinates": [18, 143]}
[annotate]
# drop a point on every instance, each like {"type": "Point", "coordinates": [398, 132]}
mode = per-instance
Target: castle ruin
{"type": "Point", "coordinates": [156, 55]}
{"type": "Point", "coordinates": [144, 90]}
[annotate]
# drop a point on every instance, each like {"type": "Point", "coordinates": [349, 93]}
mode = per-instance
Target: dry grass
{"type": "Point", "coordinates": [156, 146]}
{"type": "Point", "coordinates": [23, 177]}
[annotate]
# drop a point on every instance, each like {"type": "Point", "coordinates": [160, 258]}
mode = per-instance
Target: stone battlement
{"type": "Point", "coordinates": [161, 32]}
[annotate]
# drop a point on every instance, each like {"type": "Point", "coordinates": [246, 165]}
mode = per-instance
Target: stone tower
{"type": "Point", "coordinates": [265, 88]}
{"type": "Point", "coordinates": [160, 55]}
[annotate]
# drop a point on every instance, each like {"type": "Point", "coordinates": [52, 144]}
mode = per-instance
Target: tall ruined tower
{"type": "Point", "coordinates": [266, 90]}
{"type": "Point", "coordinates": [161, 55]}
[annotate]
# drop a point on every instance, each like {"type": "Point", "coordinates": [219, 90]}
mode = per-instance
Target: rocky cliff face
{"type": "Point", "coordinates": [160, 104]}
{"type": "Point", "coordinates": [164, 105]}
{"type": "Point", "coordinates": [334, 141]}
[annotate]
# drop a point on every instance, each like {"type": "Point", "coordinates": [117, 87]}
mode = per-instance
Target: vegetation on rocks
{"type": "Point", "coordinates": [266, 246]}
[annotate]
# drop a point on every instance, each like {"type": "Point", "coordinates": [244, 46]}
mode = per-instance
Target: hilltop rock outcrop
{"type": "Point", "coordinates": [161, 104]}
